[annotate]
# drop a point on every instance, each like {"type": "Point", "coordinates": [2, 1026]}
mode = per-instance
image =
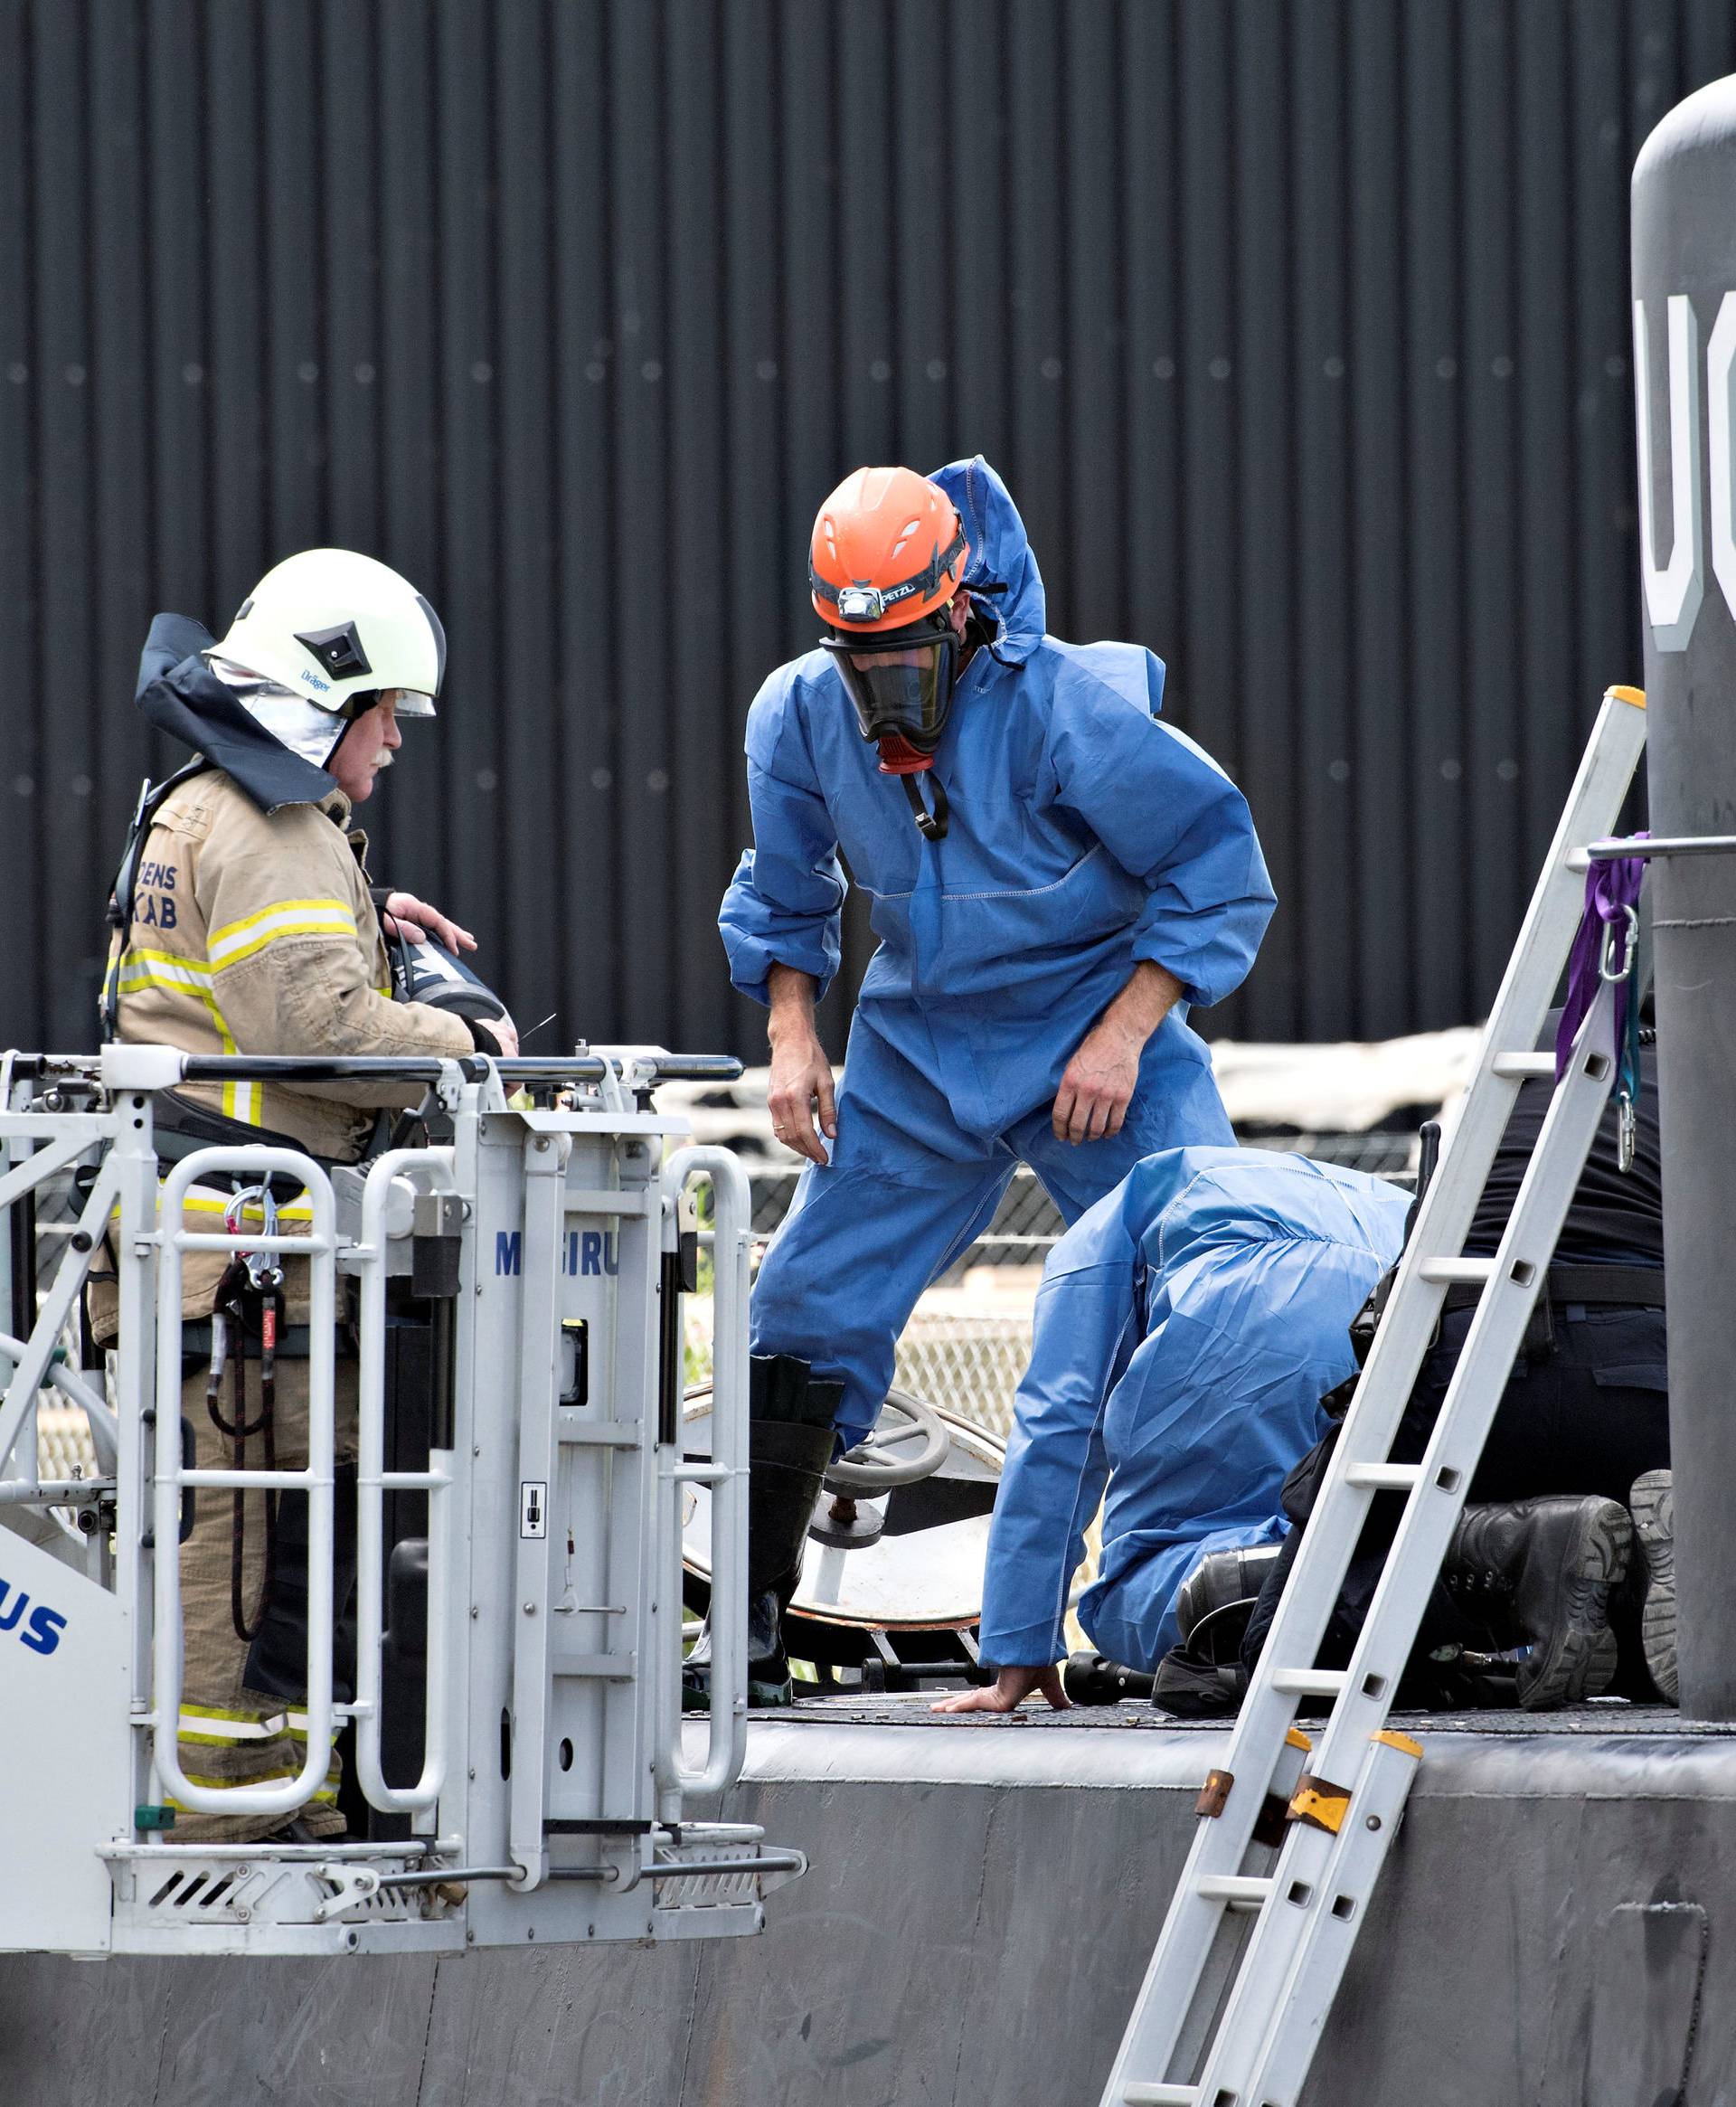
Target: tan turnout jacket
{"type": "Point", "coordinates": [255, 933]}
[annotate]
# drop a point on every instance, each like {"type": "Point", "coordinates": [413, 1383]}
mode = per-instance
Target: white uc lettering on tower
{"type": "Point", "coordinates": [1675, 589]}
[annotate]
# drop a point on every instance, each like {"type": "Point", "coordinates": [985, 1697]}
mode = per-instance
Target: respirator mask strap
{"type": "Point", "coordinates": [931, 826]}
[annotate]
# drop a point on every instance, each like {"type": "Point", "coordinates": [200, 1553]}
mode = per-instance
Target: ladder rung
{"type": "Point", "coordinates": [1309, 1682]}
{"type": "Point", "coordinates": [597, 1434]}
{"type": "Point", "coordinates": [1519, 1067]}
{"type": "Point", "coordinates": [1457, 1271]}
{"type": "Point", "coordinates": [1383, 1477]}
{"type": "Point", "coordinates": [1139, 2093]}
{"type": "Point", "coordinates": [1247, 1889]}
{"type": "Point", "coordinates": [608, 1668]}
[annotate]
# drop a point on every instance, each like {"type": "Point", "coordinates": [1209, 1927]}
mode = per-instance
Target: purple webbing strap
{"type": "Point", "coordinates": [1611, 889]}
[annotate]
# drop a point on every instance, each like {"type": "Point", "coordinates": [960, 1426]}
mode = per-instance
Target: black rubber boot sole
{"type": "Point", "coordinates": [1191, 1690]}
{"type": "Point", "coordinates": [1653, 1501]}
{"type": "Point", "coordinates": [763, 1695]}
{"type": "Point", "coordinates": [1578, 1659]}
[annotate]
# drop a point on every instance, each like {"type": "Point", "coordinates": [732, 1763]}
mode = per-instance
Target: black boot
{"type": "Point", "coordinates": [1202, 1677]}
{"type": "Point", "coordinates": [1653, 1500]}
{"type": "Point", "coordinates": [1214, 1602]}
{"type": "Point", "coordinates": [1540, 1573]}
{"type": "Point", "coordinates": [1189, 1686]}
{"type": "Point", "coordinates": [790, 1445]}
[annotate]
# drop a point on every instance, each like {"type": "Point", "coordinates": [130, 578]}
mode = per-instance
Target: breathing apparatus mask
{"type": "Point", "coordinates": [900, 682]}
{"type": "Point", "coordinates": [425, 971]}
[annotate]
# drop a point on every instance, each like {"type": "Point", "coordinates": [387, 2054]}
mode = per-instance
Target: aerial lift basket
{"type": "Point", "coordinates": [555, 1785]}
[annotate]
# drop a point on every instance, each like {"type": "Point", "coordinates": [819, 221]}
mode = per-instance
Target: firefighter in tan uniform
{"type": "Point", "coordinates": [245, 923]}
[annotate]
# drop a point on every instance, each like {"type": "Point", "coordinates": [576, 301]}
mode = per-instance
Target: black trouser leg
{"type": "Point", "coordinates": [1442, 1623]}
{"type": "Point", "coordinates": [277, 1662]}
{"type": "Point", "coordinates": [1587, 1417]}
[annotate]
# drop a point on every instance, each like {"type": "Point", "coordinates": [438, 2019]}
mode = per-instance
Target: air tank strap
{"type": "Point", "coordinates": [932, 826]}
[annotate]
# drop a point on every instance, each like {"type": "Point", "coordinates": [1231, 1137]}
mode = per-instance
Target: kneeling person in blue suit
{"type": "Point", "coordinates": [1186, 1330]}
{"type": "Point", "coordinates": [1057, 875]}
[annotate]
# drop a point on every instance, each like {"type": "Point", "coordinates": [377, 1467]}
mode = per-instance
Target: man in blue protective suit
{"type": "Point", "coordinates": [1186, 1330]}
{"type": "Point", "coordinates": [1077, 876]}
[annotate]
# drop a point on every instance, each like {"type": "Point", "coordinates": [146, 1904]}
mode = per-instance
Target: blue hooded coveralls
{"type": "Point", "coordinates": [1186, 1329]}
{"type": "Point", "coordinates": [1085, 834]}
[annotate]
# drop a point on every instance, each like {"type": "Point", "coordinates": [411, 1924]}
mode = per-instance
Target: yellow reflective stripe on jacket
{"type": "Point", "coordinates": [163, 969]}
{"type": "Point", "coordinates": [297, 1724]}
{"type": "Point", "coordinates": [326, 1795]}
{"type": "Point", "coordinates": [202, 1200]}
{"type": "Point", "coordinates": [140, 969]}
{"type": "Point", "coordinates": [242, 1716]}
{"type": "Point", "coordinates": [242, 939]}
{"type": "Point", "coordinates": [216, 1730]}
{"type": "Point", "coordinates": [246, 938]}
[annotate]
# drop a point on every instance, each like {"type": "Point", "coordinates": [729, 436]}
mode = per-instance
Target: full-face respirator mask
{"type": "Point", "coordinates": [900, 682]}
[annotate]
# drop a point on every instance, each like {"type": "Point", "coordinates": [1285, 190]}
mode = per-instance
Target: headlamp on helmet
{"type": "Point", "coordinates": [860, 603]}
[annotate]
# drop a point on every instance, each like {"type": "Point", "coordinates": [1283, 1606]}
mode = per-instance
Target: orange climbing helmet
{"type": "Point", "coordinates": [888, 548]}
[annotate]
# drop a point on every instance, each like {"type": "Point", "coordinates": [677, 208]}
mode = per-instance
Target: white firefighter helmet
{"type": "Point", "coordinates": [332, 626]}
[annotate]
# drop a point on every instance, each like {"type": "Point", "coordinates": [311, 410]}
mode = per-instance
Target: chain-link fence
{"type": "Point", "coordinates": [971, 1364]}
{"type": "Point", "coordinates": [1027, 1223]}
{"type": "Point", "coordinates": [967, 1342]}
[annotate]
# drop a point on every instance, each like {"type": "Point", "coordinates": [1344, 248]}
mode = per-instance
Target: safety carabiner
{"type": "Point", "coordinates": [1627, 1133]}
{"type": "Point", "coordinates": [1630, 931]}
{"type": "Point", "coordinates": [267, 1266]}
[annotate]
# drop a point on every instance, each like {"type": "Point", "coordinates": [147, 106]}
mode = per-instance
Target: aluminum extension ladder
{"type": "Point", "coordinates": [1286, 1858]}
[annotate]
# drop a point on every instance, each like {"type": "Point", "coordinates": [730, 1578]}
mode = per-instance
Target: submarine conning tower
{"type": "Point", "coordinates": [1684, 371]}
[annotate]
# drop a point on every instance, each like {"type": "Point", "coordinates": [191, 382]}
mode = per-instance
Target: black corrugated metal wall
{"type": "Point", "coordinates": [1299, 332]}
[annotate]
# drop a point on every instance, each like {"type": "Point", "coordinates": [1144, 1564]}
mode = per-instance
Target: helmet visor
{"type": "Point", "coordinates": [406, 702]}
{"type": "Point", "coordinates": [905, 692]}
{"type": "Point", "coordinates": [410, 702]}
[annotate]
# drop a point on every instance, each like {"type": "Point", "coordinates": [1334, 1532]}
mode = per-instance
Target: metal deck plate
{"type": "Point", "coordinates": [1605, 1717]}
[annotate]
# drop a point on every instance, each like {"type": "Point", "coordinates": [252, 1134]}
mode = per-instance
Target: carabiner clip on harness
{"type": "Point", "coordinates": [1608, 949]}
{"type": "Point", "coordinates": [1616, 962]}
{"type": "Point", "coordinates": [250, 1293]}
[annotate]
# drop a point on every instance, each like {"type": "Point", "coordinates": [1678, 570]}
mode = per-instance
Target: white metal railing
{"type": "Point", "coordinates": [172, 1477]}
{"type": "Point", "coordinates": [32, 1365]}
{"type": "Point", "coordinates": [105, 1429]}
{"type": "Point", "coordinates": [726, 1475]}
{"type": "Point", "coordinates": [374, 1482]}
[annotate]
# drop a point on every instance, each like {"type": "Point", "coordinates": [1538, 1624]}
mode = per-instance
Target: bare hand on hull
{"type": "Point", "coordinates": [1008, 1691]}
